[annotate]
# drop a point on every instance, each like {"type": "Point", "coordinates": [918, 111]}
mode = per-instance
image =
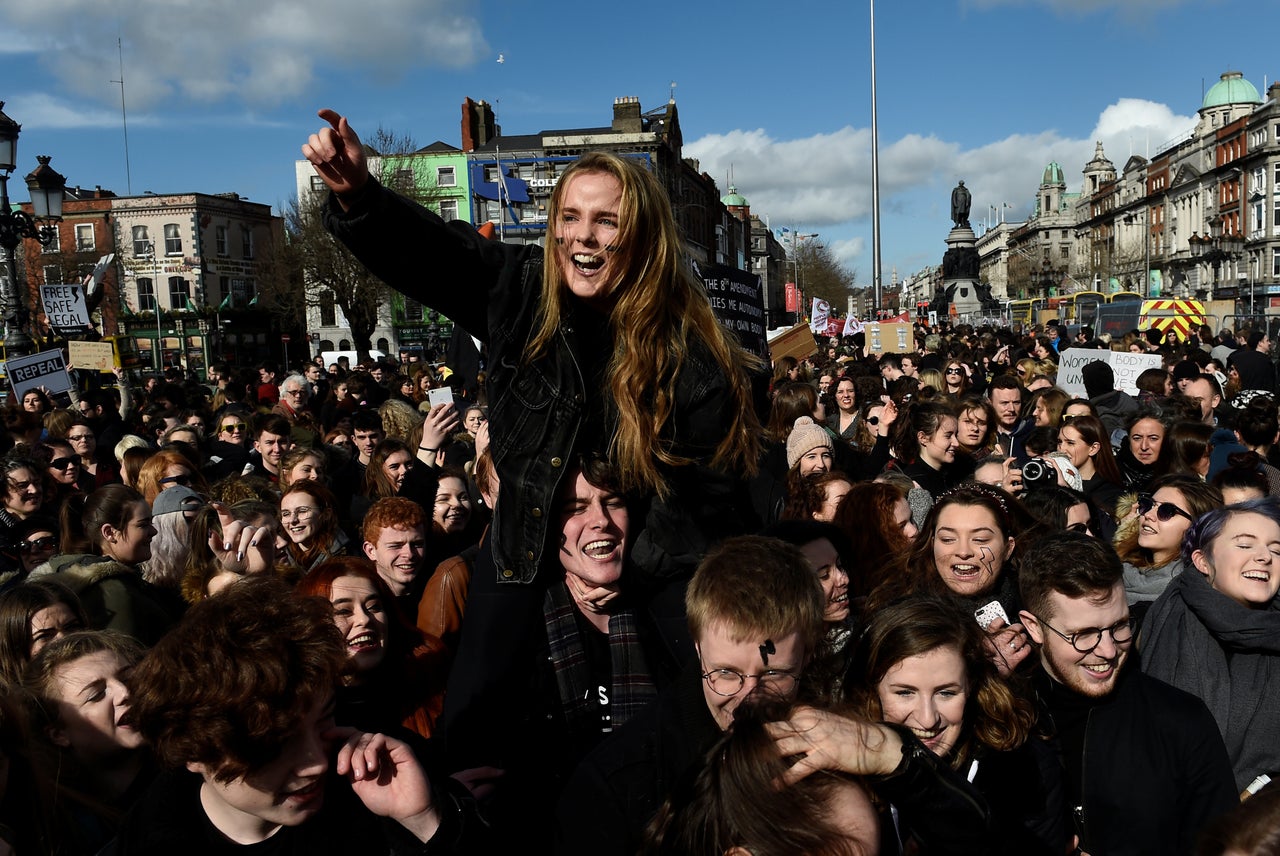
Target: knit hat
{"type": "Point", "coordinates": [1099, 378]}
{"type": "Point", "coordinates": [805, 437]}
{"type": "Point", "coordinates": [1185, 370]}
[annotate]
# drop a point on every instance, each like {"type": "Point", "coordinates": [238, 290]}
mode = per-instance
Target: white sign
{"type": "Point", "coordinates": [1126, 366]}
{"type": "Point", "coordinates": [64, 304]}
{"type": "Point", "coordinates": [46, 369]}
{"type": "Point", "coordinates": [818, 317]}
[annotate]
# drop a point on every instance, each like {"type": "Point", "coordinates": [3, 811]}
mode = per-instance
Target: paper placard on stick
{"type": "Point", "coordinates": [46, 369]}
{"type": "Point", "coordinates": [737, 301]}
{"type": "Point", "coordinates": [92, 355]}
{"type": "Point", "coordinates": [65, 306]}
{"type": "Point", "coordinates": [1126, 366]}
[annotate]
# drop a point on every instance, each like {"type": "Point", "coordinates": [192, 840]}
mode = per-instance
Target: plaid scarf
{"type": "Point", "coordinates": [632, 687]}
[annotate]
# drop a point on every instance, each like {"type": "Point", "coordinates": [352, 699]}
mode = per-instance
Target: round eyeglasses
{"type": "Point", "coordinates": [727, 682]}
{"type": "Point", "coordinates": [1086, 640]}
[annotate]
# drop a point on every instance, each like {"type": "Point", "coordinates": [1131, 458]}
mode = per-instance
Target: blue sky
{"type": "Point", "coordinates": [220, 95]}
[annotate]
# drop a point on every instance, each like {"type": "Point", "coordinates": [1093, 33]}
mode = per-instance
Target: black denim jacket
{"type": "Point", "coordinates": [492, 291]}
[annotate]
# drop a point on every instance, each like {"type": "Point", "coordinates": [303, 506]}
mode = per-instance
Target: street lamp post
{"type": "Point", "coordinates": [1213, 251]}
{"type": "Point", "coordinates": [46, 187]}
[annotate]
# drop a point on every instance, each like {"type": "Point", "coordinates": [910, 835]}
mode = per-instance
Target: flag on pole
{"type": "Point", "coordinates": [818, 317]}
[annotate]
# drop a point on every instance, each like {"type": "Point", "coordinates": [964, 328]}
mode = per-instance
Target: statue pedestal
{"type": "Point", "coordinates": [960, 275]}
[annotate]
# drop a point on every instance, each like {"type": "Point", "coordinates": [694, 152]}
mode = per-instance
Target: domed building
{"type": "Point", "coordinates": [1231, 98]}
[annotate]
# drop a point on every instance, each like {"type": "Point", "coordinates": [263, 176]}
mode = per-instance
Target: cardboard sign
{"type": "Point", "coordinates": [1126, 366]}
{"type": "Point", "coordinates": [92, 355]}
{"type": "Point", "coordinates": [46, 369]}
{"type": "Point", "coordinates": [894, 338]}
{"type": "Point", "coordinates": [797, 342]}
{"type": "Point", "coordinates": [737, 301]}
{"type": "Point", "coordinates": [65, 306]}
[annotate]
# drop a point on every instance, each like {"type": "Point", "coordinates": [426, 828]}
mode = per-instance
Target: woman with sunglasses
{"type": "Point", "coordinates": [1151, 542]}
{"type": "Point", "coordinates": [65, 477]}
{"type": "Point", "coordinates": [1215, 632]}
{"type": "Point", "coordinates": [956, 379]}
{"type": "Point", "coordinates": [166, 468]}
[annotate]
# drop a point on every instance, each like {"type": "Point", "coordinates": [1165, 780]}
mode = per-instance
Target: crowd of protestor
{"type": "Point", "coordinates": [629, 594]}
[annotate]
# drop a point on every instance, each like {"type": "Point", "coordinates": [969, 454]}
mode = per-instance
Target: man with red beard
{"type": "Point", "coordinates": [1144, 765]}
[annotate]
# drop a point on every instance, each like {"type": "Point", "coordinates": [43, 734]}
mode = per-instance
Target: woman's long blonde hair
{"type": "Point", "coordinates": [659, 313]}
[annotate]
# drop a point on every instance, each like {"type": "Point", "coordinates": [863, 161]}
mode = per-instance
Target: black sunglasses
{"type": "Point", "coordinates": [1165, 511]}
{"type": "Point", "coordinates": [45, 543]}
{"type": "Point", "coordinates": [953, 371]}
{"type": "Point", "coordinates": [64, 463]}
{"type": "Point", "coordinates": [184, 480]}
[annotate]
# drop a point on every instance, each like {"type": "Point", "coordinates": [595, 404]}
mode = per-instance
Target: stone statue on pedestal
{"type": "Point", "coordinates": [960, 202]}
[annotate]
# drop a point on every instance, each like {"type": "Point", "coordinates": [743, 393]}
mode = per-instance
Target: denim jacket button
{"type": "Point", "coordinates": [536, 512]}
{"type": "Point", "coordinates": [556, 462]}
{"type": "Point", "coordinates": [529, 555]}
{"type": "Point", "coordinates": [508, 574]}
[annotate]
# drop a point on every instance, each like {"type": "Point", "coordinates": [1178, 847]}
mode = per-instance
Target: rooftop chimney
{"type": "Point", "coordinates": [626, 115]}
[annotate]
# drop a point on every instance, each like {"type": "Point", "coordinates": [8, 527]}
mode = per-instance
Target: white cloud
{"type": "Point", "coordinates": [263, 51]}
{"type": "Point", "coordinates": [49, 113]}
{"type": "Point", "coordinates": [823, 182]}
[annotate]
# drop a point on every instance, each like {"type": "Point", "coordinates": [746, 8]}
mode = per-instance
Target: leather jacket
{"type": "Point", "coordinates": [538, 406]}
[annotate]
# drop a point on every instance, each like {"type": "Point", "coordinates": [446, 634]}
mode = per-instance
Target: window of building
{"type": "Point", "coordinates": [146, 295]}
{"type": "Point", "coordinates": [54, 246]}
{"type": "Point", "coordinates": [84, 238]}
{"type": "Point", "coordinates": [220, 240]}
{"type": "Point", "coordinates": [328, 312]}
{"type": "Point", "coordinates": [52, 274]}
{"type": "Point", "coordinates": [141, 241]}
{"type": "Point", "coordinates": [449, 209]}
{"type": "Point", "coordinates": [1275, 217]}
{"type": "Point", "coordinates": [246, 242]}
{"type": "Point", "coordinates": [172, 240]}
{"type": "Point", "coordinates": [404, 178]}
{"type": "Point", "coordinates": [1064, 251]}
{"type": "Point", "coordinates": [1275, 262]}
{"type": "Point", "coordinates": [412, 310]}
{"type": "Point", "coordinates": [446, 177]}
{"type": "Point", "coordinates": [179, 292]}
{"type": "Point", "coordinates": [317, 184]}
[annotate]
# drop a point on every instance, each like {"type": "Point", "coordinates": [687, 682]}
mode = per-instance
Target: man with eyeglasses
{"type": "Point", "coordinates": [1144, 765]}
{"type": "Point", "coordinates": [755, 615]}
{"type": "Point", "coordinates": [294, 393]}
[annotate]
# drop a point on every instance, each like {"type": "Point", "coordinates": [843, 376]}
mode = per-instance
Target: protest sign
{"type": "Point", "coordinates": [99, 356]}
{"type": "Point", "coordinates": [797, 342]}
{"type": "Point", "coordinates": [894, 338]}
{"type": "Point", "coordinates": [1126, 366]}
{"type": "Point", "coordinates": [65, 306]}
{"type": "Point", "coordinates": [735, 298]}
{"type": "Point", "coordinates": [46, 369]}
{"type": "Point", "coordinates": [819, 316]}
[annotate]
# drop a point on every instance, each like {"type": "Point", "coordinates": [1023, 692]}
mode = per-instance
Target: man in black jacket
{"type": "Point", "coordinates": [1144, 765]}
{"type": "Point", "coordinates": [756, 615]}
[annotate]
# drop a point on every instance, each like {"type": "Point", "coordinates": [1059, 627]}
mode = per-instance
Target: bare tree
{"type": "Point", "coordinates": [821, 275]}
{"type": "Point", "coordinates": [312, 271]}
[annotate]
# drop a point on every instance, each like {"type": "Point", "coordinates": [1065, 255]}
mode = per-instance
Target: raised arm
{"type": "Point", "coordinates": [337, 155]}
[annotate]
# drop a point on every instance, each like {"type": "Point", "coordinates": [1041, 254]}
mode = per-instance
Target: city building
{"type": "Point", "coordinates": [1199, 218]}
{"type": "Point", "coordinates": [195, 258]}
